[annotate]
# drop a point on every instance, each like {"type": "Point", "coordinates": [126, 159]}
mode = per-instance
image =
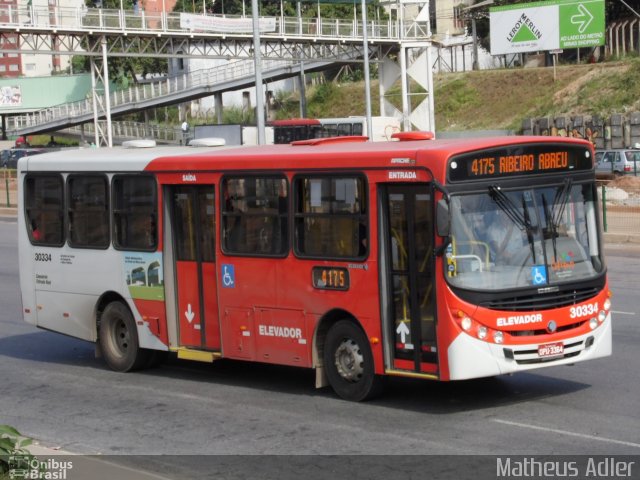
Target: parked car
{"type": "Point", "coordinates": [619, 161]}
{"type": "Point", "coordinates": [9, 158]}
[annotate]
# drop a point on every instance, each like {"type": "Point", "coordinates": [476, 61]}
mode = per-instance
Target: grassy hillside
{"type": "Point", "coordinates": [495, 99]}
{"type": "Point", "coordinates": [503, 98]}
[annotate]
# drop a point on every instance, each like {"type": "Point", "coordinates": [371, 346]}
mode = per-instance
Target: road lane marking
{"type": "Point", "coordinates": [622, 313]}
{"type": "Point", "coordinates": [565, 432]}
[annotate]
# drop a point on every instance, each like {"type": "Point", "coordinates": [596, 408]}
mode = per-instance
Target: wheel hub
{"type": "Point", "coordinates": [349, 360]}
{"type": "Point", "coordinates": [122, 336]}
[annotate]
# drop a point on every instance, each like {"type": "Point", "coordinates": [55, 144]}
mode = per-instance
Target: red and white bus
{"type": "Point", "coordinates": [295, 129]}
{"type": "Point", "coordinates": [434, 259]}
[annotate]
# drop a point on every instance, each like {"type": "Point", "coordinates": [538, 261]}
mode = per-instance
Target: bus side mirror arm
{"type": "Point", "coordinates": [443, 226]}
{"type": "Point", "coordinates": [443, 219]}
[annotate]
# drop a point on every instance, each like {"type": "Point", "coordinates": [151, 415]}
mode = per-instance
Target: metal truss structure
{"type": "Point", "coordinates": [401, 49]}
{"type": "Point", "coordinates": [158, 46]}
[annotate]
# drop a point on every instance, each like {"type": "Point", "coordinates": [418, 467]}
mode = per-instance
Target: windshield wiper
{"type": "Point", "coordinates": [553, 216]}
{"type": "Point", "coordinates": [551, 226]}
{"type": "Point", "coordinates": [522, 220]}
{"type": "Point", "coordinates": [509, 208]}
{"type": "Point", "coordinates": [560, 201]}
{"type": "Point", "coordinates": [529, 229]}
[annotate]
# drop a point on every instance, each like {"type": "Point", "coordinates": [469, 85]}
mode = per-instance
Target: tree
{"type": "Point", "coordinates": [124, 70]}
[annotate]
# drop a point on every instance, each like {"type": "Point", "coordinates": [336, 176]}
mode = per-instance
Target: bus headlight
{"type": "Point", "coordinates": [607, 305]}
{"type": "Point", "coordinates": [466, 323]}
{"type": "Point", "coordinates": [482, 332]}
{"type": "Point", "coordinates": [474, 328]}
{"type": "Point", "coordinates": [602, 316]}
{"type": "Point", "coordinates": [593, 323]}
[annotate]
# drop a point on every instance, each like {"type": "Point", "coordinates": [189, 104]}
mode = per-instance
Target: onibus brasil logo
{"type": "Point", "coordinates": [29, 467]}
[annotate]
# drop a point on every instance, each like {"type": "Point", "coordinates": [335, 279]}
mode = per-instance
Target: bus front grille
{"type": "Point", "coordinates": [532, 333]}
{"type": "Point", "coordinates": [542, 301]}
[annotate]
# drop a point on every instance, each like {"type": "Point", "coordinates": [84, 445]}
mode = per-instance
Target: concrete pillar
{"type": "Point", "coordinates": [217, 100]}
{"type": "Point", "coordinates": [246, 101]}
{"type": "Point", "coordinates": [303, 92]}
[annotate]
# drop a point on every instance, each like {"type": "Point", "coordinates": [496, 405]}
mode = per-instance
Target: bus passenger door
{"type": "Point", "coordinates": [193, 229]}
{"type": "Point", "coordinates": [408, 301]}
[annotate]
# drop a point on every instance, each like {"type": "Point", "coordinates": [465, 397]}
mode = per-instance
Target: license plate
{"type": "Point", "coordinates": [551, 349]}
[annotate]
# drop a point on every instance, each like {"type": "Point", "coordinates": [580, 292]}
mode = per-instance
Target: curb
{"type": "Point", "coordinates": [8, 211]}
{"type": "Point", "coordinates": [621, 238]}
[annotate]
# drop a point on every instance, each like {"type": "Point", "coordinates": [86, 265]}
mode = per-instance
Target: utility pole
{"type": "Point", "coordinates": [367, 80]}
{"type": "Point", "coordinates": [257, 62]}
{"type": "Point", "coordinates": [475, 65]}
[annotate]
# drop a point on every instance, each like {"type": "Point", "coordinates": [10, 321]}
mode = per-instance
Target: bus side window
{"type": "Point", "coordinates": [255, 215]}
{"type": "Point", "coordinates": [343, 129]}
{"type": "Point", "coordinates": [331, 217]}
{"type": "Point", "coordinates": [135, 212]}
{"type": "Point", "coordinates": [88, 211]}
{"type": "Point", "coordinates": [44, 207]}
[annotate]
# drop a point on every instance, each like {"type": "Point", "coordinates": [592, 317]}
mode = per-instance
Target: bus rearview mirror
{"type": "Point", "coordinates": [443, 220]}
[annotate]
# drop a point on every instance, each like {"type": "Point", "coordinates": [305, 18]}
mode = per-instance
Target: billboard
{"type": "Point", "coordinates": [208, 23]}
{"type": "Point", "coordinates": [550, 25]}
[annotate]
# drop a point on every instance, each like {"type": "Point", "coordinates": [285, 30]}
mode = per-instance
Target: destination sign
{"type": "Point", "coordinates": [519, 160]}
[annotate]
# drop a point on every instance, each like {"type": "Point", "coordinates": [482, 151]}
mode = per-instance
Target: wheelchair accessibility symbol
{"type": "Point", "coordinates": [539, 275]}
{"type": "Point", "coordinates": [228, 276]}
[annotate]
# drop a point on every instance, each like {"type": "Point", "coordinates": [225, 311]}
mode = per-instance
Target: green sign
{"type": "Point", "coordinates": [550, 25]}
{"type": "Point", "coordinates": [581, 24]}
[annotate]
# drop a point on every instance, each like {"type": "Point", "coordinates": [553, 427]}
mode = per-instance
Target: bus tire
{"type": "Point", "coordinates": [119, 339]}
{"type": "Point", "coordinates": [348, 362]}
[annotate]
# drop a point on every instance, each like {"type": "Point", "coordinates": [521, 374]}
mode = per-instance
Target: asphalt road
{"type": "Point", "coordinates": [54, 390]}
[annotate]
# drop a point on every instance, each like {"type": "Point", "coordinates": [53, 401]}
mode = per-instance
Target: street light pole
{"type": "Point", "coordinates": [367, 80]}
{"type": "Point", "coordinates": [257, 62]}
{"type": "Point", "coordinates": [475, 65]}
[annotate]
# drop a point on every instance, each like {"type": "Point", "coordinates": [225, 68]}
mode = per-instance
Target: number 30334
{"type": "Point", "coordinates": [583, 310]}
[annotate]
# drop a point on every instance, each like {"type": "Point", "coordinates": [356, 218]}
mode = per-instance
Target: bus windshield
{"type": "Point", "coordinates": [527, 237]}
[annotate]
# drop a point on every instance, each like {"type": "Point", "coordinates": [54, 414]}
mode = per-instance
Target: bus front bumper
{"type": "Point", "coordinates": [470, 357]}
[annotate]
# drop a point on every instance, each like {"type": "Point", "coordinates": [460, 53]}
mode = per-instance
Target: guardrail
{"type": "Point", "coordinates": [96, 20]}
{"type": "Point", "coordinates": [129, 130]}
{"type": "Point", "coordinates": [8, 188]}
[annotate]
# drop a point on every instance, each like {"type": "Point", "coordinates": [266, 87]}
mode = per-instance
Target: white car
{"type": "Point", "coordinates": [619, 161]}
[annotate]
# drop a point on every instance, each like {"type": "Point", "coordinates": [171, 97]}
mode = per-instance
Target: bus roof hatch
{"type": "Point", "coordinates": [409, 136]}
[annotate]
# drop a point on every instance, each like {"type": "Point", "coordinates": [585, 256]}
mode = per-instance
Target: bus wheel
{"type": "Point", "coordinates": [348, 362]}
{"type": "Point", "coordinates": [119, 339]}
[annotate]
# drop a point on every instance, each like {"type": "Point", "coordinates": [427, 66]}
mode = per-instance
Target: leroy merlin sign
{"type": "Point", "coordinates": [551, 25]}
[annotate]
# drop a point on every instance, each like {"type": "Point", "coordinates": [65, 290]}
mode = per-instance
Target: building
{"type": "Point", "coordinates": [447, 18]}
{"type": "Point", "coordinates": [10, 63]}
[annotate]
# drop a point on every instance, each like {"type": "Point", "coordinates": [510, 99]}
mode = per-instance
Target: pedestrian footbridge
{"type": "Point", "coordinates": [289, 46]}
